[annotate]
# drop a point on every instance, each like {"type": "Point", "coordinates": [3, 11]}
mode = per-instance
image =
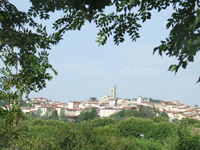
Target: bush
{"type": "Point", "coordinates": [117, 143]}
{"type": "Point", "coordinates": [109, 130]}
{"type": "Point", "coordinates": [189, 121]}
{"type": "Point", "coordinates": [37, 122]}
{"type": "Point", "coordinates": [187, 137]}
{"type": "Point", "coordinates": [10, 133]}
{"type": "Point", "coordinates": [134, 127]}
{"type": "Point", "coordinates": [196, 125]}
{"type": "Point", "coordinates": [101, 122]}
{"type": "Point", "coordinates": [47, 135]}
{"type": "Point", "coordinates": [159, 119]}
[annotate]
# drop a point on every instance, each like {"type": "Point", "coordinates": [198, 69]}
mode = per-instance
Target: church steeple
{"type": "Point", "coordinates": [113, 92]}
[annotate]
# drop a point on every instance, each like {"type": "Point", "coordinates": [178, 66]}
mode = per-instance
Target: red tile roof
{"type": "Point", "coordinates": [169, 111]}
{"type": "Point", "coordinates": [127, 107]}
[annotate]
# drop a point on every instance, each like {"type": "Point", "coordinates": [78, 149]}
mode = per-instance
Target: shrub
{"type": "Point", "coordinates": [159, 119]}
{"type": "Point", "coordinates": [134, 127]}
{"type": "Point", "coordinates": [37, 122]}
{"type": "Point", "coordinates": [186, 137]}
{"type": "Point", "coordinates": [189, 121]}
{"type": "Point", "coordinates": [117, 143]}
{"type": "Point", "coordinates": [101, 122]}
{"type": "Point", "coordinates": [106, 130]}
{"type": "Point", "coordinates": [51, 135]}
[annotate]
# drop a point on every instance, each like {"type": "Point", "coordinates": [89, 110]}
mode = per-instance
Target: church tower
{"type": "Point", "coordinates": [113, 92]}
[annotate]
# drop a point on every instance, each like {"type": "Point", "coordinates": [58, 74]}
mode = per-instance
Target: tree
{"type": "Point", "coordinates": [146, 111]}
{"type": "Point", "coordinates": [24, 52]}
{"type": "Point", "coordinates": [23, 103]}
{"type": "Point", "coordinates": [87, 115]}
{"type": "Point", "coordinates": [62, 116]}
{"type": "Point", "coordinates": [116, 117]}
{"type": "Point", "coordinates": [183, 41]}
{"type": "Point", "coordinates": [160, 119]}
{"type": "Point", "coordinates": [154, 100]}
{"type": "Point", "coordinates": [164, 115]}
{"type": "Point", "coordinates": [121, 113]}
{"type": "Point", "coordinates": [54, 115]}
{"type": "Point", "coordinates": [130, 113]}
{"type": "Point", "coordinates": [93, 98]}
{"type": "Point", "coordinates": [133, 108]}
{"type": "Point", "coordinates": [24, 55]}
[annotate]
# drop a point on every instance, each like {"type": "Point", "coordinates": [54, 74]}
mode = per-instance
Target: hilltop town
{"type": "Point", "coordinates": [108, 105]}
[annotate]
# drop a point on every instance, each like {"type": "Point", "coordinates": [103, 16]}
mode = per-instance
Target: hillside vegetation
{"type": "Point", "coordinates": [101, 133]}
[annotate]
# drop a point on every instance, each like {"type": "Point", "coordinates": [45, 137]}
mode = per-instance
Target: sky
{"type": "Point", "coordinates": [87, 70]}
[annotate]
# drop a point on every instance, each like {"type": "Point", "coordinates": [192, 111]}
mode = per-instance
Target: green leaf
{"type": "Point", "coordinates": [172, 68]}
{"type": "Point", "coordinates": [184, 64]}
{"type": "Point", "coordinates": [191, 58]}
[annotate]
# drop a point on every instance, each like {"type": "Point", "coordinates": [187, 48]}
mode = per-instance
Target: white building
{"type": "Point", "coordinates": [107, 111]}
{"type": "Point", "coordinates": [106, 98]}
{"type": "Point", "coordinates": [139, 100]}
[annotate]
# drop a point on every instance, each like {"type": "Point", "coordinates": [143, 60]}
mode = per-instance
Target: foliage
{"type": "Point", "coordinates": [160, 119]}
{"type": "Point", "coordinates": [186, 139]}
{"type": "Point", "coordinates": [9, 133]}
{"type": "Point", "coordinates": [116, 117]}
{"type": "Point", "coordinates": [189, 121]}
{"type": "Point", "coordinates": [164, 115]}
{"type": "Point", "coordinates": [23, 53]}
{"type": "Point", "coordinates": [130, 113]}
{"type": "Point", "coordinates": [87, 127]}
{"type": "Point", "coordinates": [24, 104]}
{"type": "Point", "coordinates": [93, 98]}
{"type": "Point", "coordinates": [4, 102]}
{"type": "Point", "coordinates": [183, 40]}
{"type": "Point", "coordinates": [62, 116]}
{"type": "Point", "coordinates": [50, 135]}
{"type": "Point", "coordinates": [108, 130]}
{"type": "Point", "coordinates": [12, 129]}
{"type": "Point", "coordinates": [112, 143]}
{"type": "Point", "coordinates": [146, 111]}
{"type": "Point", "coordinates": [101, 122]}
{"type": "Point", "coordinates": [127, 19]}
{"type": "Point", "coordinates": [121, 113]}
{"type": "Point", "coordinates": [50, 115]}
{"type": "Point", "coordinates": [133, 108]}
{"type": "Point", "coordinates": [134, 127]}
{"type": "Point", "coordinates": [87, 115]}
{"type": "Point", "coordinates": [54, 115]}
{"type": "Point", "coordinates": [37, 115]}
{"type": "Point", "coordinates": [105, 133]}
{"type": "Point", "coordinates": [154, 100]}
{"type": "Point", "coordinates": [25, 57]}
{"type": "Point", "coordinates": [175, 121]}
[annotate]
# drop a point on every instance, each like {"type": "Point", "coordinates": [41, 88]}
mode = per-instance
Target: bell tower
{"type": "Point", "coordinates": [113, 92]}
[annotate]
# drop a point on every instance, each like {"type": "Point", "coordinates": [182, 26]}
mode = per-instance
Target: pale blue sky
{"type": "Point", "coordinates": [87, 70]}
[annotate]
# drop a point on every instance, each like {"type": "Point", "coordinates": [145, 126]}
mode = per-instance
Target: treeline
{"type": "Point", "coordinates": [144, 112]}
{"type": "Point", "coordinates": [101, 133]}
{"type": "Point", "coordinates": [50, 115]}
{"type": "Point", "coordinates": [148, 130]}
{"type": "Point", "coordinates": [87, 115]}
{"type": "Point", "coordinates": [154, 100]}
